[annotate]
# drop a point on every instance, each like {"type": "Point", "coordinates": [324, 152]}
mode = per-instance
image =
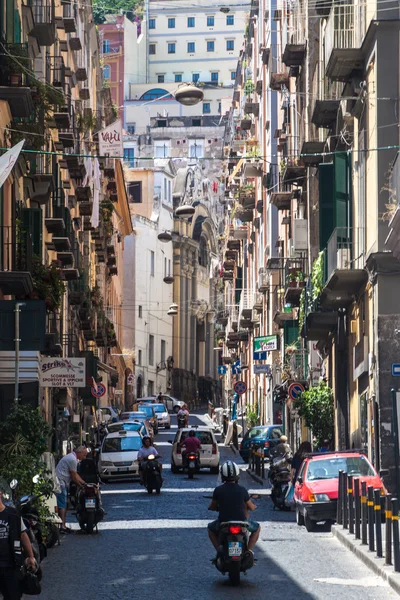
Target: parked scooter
{"type": "Point", "coordinates": [152, 475]}
{"type": "Point", "coordinates": [89, 511]}
{"type": "Point", "coordinates": [279, 476]}
{"type": "Point", "coordinates": [191, 461]}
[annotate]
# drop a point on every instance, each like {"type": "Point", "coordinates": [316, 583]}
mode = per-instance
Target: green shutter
{"type": "Point", "coordinates": [10, 8]}
{"type": "Point", "coordinates": [17, 27]}
{"type": "Point", "coordinates": [32, 223]}
{"type": "Point", "coordinates": [326, 203]}
{"type": "Point", "coordinates": [290, 332]}
{"type": "Point", "coordinates": [342, 190]}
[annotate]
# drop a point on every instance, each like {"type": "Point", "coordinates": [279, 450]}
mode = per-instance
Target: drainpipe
{"type": "Point", "coordinates": [17, 340]}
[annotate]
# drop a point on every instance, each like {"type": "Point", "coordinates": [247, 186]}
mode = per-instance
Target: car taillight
{"type": "Point", "coordinates": [266, 444]}
{"type": "Point", "coordinates": [214, 448]}
{"type": "Point", "coordinates": [191, 456]}
{"type": "Point", "coordinates": [235, 529]}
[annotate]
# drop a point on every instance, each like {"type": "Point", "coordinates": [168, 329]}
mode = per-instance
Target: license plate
{"type": "Point", "coordinates": [234, 548]}
{"type": "Point", "coordinates": [90, 503]}
{"type": "Point", "coordinates": [122, 470]}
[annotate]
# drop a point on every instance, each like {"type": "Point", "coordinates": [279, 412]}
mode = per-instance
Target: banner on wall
{"type": "Point", "coordinates": [110, 140]}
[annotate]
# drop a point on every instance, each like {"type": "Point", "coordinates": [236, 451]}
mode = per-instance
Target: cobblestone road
{"type": "Point", "coordinates": [157, 547]}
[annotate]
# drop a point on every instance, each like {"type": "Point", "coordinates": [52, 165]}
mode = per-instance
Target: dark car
{"type": "Point", "coordinates": [262, 435]}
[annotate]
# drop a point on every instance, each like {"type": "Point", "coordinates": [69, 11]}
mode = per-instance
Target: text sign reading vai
{"type": "Point", "coordinates": [110, 140]}
{"type": "Point", "coordinates": [63, 372]}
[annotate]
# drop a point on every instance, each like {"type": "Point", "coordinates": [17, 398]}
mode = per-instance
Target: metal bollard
{"type": "Point", "coordinates": [357, 506]}
{"type": "Point", "coordinates": [396, 547]}
{"type": "Point", "coordinates": [378, 522]}
{"type": "Point", "coordinates": [371, 532]}
{"type": "Point", "coordinates": [262, 463]}
{"type": "Point", "coordinates": [339, 513]}
{"type": "Point", "coordinates": [364, 537]}
{"type": "Point", "coordinates": [344, 502]}
{"type": "Point", "coordinates": [388, 532]}
{"type": "Point", "coordinates": [350, 502]}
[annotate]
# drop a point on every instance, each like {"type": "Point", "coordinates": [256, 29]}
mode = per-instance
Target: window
{"type": "Point", "coordinates": [106, 46]}
{"type": "Point", "coordinates": [206, 108]}
{"type": "Point", "coordinates": [214, 77]}
{"type": "Point", "coordinates": [171, 48]}
{"type": "Point", "coordinates": [178, 77]}
{"type": "Point", "coordinates": [150, 387]}
{"type": "Point", "coordinates": [210, 46]}
{"type": "Point", "coordinates": [219, 107]}
{"type": "Point", "coordinates": [129, 157]}
{"type": "Point", "coordinates": [191, 21]}
{"type": "Point", "coordinates": [230, 44]}
{"type": "Point", "coordinates": [139, 357]}
{"type": "Point", "coordinates": [161, 149]}
{"type": "Point", "coordinates": [135, 192]}
{"type": "Point", "coordinates": [162, 123]}
{"type": "Point", "coordinates": [107, 71]}
{"type": "Point", "coordinates": [152, 48]}
{"type": "Point", "coordinates": [169, 190]}
{"type": "Point", "coordinates": [195, 77]}
{"type": "Point", "coordinates": [191, 47]}
{"type": "Point", "coordinates": [151, 349]}
{"type": "Point", "coordinates": [122, 444]}
{"type": "Point", "coordinates": [196, 149]}
{"type": "Point", "coordinates": [165, 189]}
{"type": "Point", "coordinates": [131, 128]}
{"type": "Point", "coordinates": [140, 311]}
{"type": "Point", "coordinates": [171, 23]}
{"type": "Point", "coordinates": [230, 19]}
{"type": "Point", "coordinates": [233, 75]}
{"type": "Point", "coordinates": [156, 93]}
{"type": "Point", "coordinates": [196, 122]}
{"type": "Point", "coordinates": [210, 21]}
{"type": "Point", "coordinates": [165, 266]}
{"type": "Point", "coordinates": [152, 257]}
{"type": "Point", "coordinates": [163, 350]}
{"type": "Point", "coordinates": [169, 266]}
{"type": "Point", "coordinates": [160, 78]}
{"type": "Point", "coordinates": [152, 23]}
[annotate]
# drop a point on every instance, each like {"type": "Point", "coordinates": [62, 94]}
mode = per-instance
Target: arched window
{"type": "Point", "coordinates": [156, 93]}
{"type": "Point", "coordinates": [203, 252]}
{"type": "Point", "coordinates": [107, 72]}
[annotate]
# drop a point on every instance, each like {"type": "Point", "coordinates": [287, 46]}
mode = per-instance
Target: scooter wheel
{"type": "Point", "coordinates": [150, 490]}
{"type": "Point", "coordinates": [234, 573]}
{"type": "Point", "coordinates": [90, 523]}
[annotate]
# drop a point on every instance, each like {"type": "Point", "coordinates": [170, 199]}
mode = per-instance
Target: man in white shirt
{"type": "Point", "coordinates": [67, 470]}
{"type": "Point", "coordinates": [145, 451]}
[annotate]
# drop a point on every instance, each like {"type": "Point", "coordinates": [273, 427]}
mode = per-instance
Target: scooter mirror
{"type": "Point", "coordinates": [14, 484]}
{"type": "Point", "coordinates": [36, 478]}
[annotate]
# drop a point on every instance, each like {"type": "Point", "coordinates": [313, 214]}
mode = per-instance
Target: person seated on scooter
{"type": "Point", "coordinates": [145, 451]}
{"type": "Point", "coordinates": [191, 444]}
{"type": "Point", "coordinates": [233, 502]}
{"type": "Point", "coordinates": [282, 450]}
{"type": "Point", "coordinates": [183, 412]}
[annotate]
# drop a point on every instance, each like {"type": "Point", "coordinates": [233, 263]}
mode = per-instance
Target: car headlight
{"type": "Point", "coordinates": [319, 498]}
{"type": "Point", "coordinates": [135, 463]}
{"type": "Point", "coordinates": [106, 463]}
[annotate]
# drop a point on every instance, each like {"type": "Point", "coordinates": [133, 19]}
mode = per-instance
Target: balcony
{"type": "Point", "coordinates": [247, 198]}
{"type": "Point", "coordinates": [325, 113]}
{"type": "Point", "coordinates": [246, 304]}
{"type": "Point", "coordinates": [294, 54]}
{"type": "Point", "coordinates": [282, 200]}
{"type": "Point", "coordinates": [246, 216]}
{"type": "Point", "coordinates": [294, 173]}
{"type": "Point", "coordinates": [344, 33]}
{"type": "Point", "coordinates": [258, 302]}
{"type": "Point", "coordinates": [345, 274]}
{"type": "Point", "coordinates": [14, 82]}
{"type": "Point", "coordinates": [278, 74]}
{"type": "Point", "coordinates": [252, 108]}
{"type": "Point", "coordinates": [84, 93]}
{"type": "Point", "coordinates": [238, 232]}
{"type": "Point", "coordinates": [40, 172]}
{"type": "Point", "coordinates": [15, 262]}
{"type": "Point", "coordinates": [294, 280]}
{"type": "Point", "coordinates": [44, 28]}
{"type": "Point", "coordinates": [283, 310]}
{"type": "Point", "coordinates": [253, 169]}
{"type": "Point", "coordinates": [228, 265]}
{"type": "Point", "coordinates": [69, 17]}
{"type": "Point", "coordinates": [311, 152]}
{"type": "Point", "coordinates": [85, 209]}
{"type": "Point", "coordinates": [263, 281]}
{"type": "Point", "coordinates": [81, 66]}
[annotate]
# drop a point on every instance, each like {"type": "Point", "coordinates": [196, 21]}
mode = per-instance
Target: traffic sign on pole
{"type": "Point", "coordinates": [130, 380]}
{"type": "Point", "coordinates": [295, 390]}
{"type": "Point", "coordinates": [240, 387]}
{"type": "Point", "coordinates": [101, 390]}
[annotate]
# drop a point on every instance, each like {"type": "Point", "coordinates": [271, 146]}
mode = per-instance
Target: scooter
{"type": "Point", "coordinates": [192, 463]}
{"type": "Point", "coordinates": [152, 475]}
{"type": "Point", "coordinates": [279, 476]}
{"type": "Point", "coordinates": [181, 421]}
{"type": "Point", "coordinates": [89, 511]}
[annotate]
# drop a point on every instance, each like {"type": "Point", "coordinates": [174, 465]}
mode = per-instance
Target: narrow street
{"type": "Point", "coordinates": [157, 547]}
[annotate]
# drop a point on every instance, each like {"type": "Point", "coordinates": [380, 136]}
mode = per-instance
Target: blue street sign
{"type": "Point", "coordinates": [222, 370]}
{"type": "Point", "coordinates": [236, 369]}
{"type": "Point", "coordinates": [259, 356]}
{"type": "Point", "coordinates": [396, 369]}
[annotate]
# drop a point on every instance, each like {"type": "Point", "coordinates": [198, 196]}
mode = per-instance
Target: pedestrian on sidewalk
{"type": "Point", "coordinates": [67, 471]}
{"type": "Point", "coordinates": [304, 448]}
{"type": "Point", "coordinates": [12, 536]}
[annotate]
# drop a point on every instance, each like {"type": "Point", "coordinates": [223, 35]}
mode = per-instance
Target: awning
{"type": "Point", "coordinates": [107, 369]}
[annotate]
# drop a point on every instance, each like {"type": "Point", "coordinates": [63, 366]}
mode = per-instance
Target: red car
{"type": "Point", "coordinates": [316, 488]}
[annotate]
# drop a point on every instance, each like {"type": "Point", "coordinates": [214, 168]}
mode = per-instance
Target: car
{"type": "Point", "coordinates": [129, 425]}
{"type": "Point", "coordinates": [262, 435]}
{"type": "Point", "coordinates": [209, 453]}
{"type": "Point", "coordinates": [138, 416]}
{"type": "Point", "coordinates": [173, 404]}
{"type": "Point", "coordinates": [118, 455]}
{"type": "Point", "coordinates": [150, 414]}
{"type": "Point", "coordinates": [163, 418]}
{"type": "Point", "coordinates": [316, 488]}
{"type": "Point", "coordinates": [106, 414]}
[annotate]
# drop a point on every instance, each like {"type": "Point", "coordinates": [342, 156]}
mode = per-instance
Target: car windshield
{"type": "Point", "coordinates": [122, 444]}
{"type": "Point", "coordinates": [205, 437]}
{"type": "Point", "coordinates": [134, 415]}
{"type": "Point", "coordinates": [148, 410]}
{"type": "Point", "coordinates": [159, 408]}
{"type": "Point", "coordinates": [125, 427]}
{"type": "Point", "coordinates": [329, 468]}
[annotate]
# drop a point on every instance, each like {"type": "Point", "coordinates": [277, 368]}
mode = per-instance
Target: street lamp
{"type": "Point", "coordinates": [173, 310]}
{"type": "Point", "coordinates": [165, 236]}
{"type": "Point", "coordinates": [185, 211]}
{"type": "Point", "coordinates": [225, 9]}
{"type": "Point", "coordinates": [188, 94]}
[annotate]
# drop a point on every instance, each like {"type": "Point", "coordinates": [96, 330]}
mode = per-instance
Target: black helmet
{"type": "Point", "coordinates": [146, 437]}
{"type": "Point", "coordinates": [192, 433]}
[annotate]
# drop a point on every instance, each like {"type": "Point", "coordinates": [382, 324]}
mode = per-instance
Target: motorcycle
{"type": "Point", "coordinates": [152, 475]}
{"type": "Point", "coordinates": [181, 421]}
{"type": "Point", "coordinates": [191, 463]}
{"type": "Point", "coordinates": [279, 476]}
{"type": "Point", "coordinates": [89, 511]}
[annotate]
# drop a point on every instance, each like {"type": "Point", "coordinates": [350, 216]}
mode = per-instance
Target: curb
{"type": "Point", "coordinates": [377, 565]}
{"type": "Point", "coordinates": [255, 477]}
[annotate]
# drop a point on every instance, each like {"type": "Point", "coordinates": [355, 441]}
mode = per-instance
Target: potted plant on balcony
{"type": "Point", "coordinates": [300, 279]}
{"type": "Point", "coordinates": [249, 88]}
{"type": "Point", "coordinates": [292, 279]}
{"type": "Point", "coordinates": [48, 284]}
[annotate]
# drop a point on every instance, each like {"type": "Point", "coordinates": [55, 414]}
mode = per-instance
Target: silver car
{"type": "Point", "coordinates": [163, 418]}
{"type": "Point", "coordinates": [172, 404]}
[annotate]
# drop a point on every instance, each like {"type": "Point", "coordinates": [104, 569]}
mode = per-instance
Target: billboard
{"type": "Point", "coordinates": [62, 372]}
{"type": "Point", "coordinates": [264, 344]}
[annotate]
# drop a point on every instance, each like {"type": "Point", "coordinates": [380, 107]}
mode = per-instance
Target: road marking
{"type": "Point", "coordinates": [141, 490]}
{"type": "Point", "coordinates": [364, 582]}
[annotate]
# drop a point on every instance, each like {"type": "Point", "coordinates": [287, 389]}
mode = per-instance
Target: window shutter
{"type": "Point", "coordinates": [32, 223]}
{"type": "Point", "coordinates": [326, 203]}
{"type": "Point", "coordinates": [290, 332]}
{"type": "Point", "coordinates": [342, 190]}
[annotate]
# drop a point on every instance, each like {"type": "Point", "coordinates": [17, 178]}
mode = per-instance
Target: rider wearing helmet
{"type": "Point", "coordinates": [144, 453]}
{"type": "Point", "coordinates": [183, 413]}
{"type": "Point", "coordinates": [232, 501]}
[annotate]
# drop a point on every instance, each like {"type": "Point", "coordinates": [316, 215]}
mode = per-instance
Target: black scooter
{"type": "Point", "coordinates": [89, 511]}
{"type": "Point", "coordinates": [279, 476]}
{"type": "Point", "coordinates": [181, 421]}
{"type": "Point", "coordinates": [191, 462]}
{"type": "Point", "coordinates": [152, 475]}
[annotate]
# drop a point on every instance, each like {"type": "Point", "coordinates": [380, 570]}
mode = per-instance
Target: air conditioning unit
{"type": "Point", "coordinates": [300, 234]}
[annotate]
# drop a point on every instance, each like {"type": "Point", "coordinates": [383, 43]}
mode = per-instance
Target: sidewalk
{"type": "Point", "coordinates": [377, 565]}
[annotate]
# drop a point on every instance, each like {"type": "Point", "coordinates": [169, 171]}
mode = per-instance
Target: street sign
{"type": "Point", "coordinates": [130, 380]}
{"type": "Point", "coordinates": [295, 390]}
{"type": "Point", "coordinates": [262, 369]}
{"type": "Point", "coordinates": [259, 356]}
{"type": "Point", "coordinates": [101, 390]}
{"type": "Point", "coordinates": [236, 368]}
{"type": "Point", "coordinates": [240, 387]}
{"type": "Point", "coordinates": [222, 370]}
{"type": "Point", "coordinates": [265, 343]}
{"type": "Point", "coordinates": [396, 370]}
{"type": "Point", "coordinates": [119, 392]}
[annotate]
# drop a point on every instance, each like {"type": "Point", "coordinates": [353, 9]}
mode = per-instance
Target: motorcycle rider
{"type": "Point", "coordinates": [282, 450]}
{"type": "Point", "coordinates": [183, 412]}
{"type": "Point", "coordinates": [191, 444]}
{"type": "Point", "coordinates": [232, 501]}
{"type": "Point", "coordinates": [144, 453]}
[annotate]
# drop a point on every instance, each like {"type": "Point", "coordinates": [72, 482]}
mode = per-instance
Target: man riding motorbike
{"type": "Point", "coordinates": [233, 502]}
{"type": "Point", "coordinates": [282, 450]}
{"type": "Point", "coordinates": [190, 444]}
{"type": "Point", "coordinates": [145, 451]}
{"type": "Point", "coordinates": [183, 413]}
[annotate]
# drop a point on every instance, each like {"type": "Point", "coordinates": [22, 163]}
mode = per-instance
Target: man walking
{"type": "Point", "coordinates": [12, 536]}
{"type": "Point", "coordinates": [67, 470]}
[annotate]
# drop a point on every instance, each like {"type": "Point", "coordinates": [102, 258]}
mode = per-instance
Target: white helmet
{"type": "Point", "coordinates": [229, 471]}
